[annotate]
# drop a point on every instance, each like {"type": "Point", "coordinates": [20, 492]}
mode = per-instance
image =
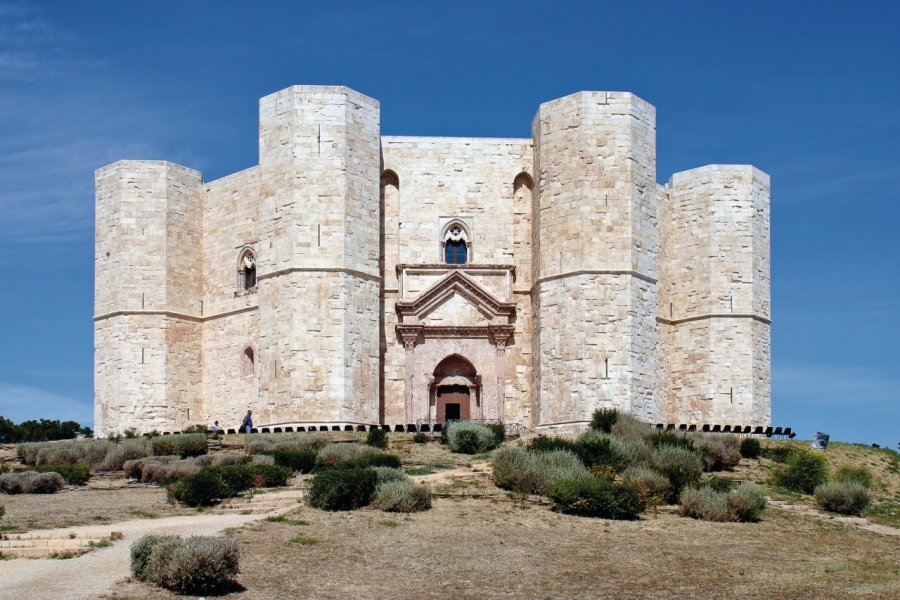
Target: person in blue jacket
{"type": "Point", "coordinates": [247, 423]}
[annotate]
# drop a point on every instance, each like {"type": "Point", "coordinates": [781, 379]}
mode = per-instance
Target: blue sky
{"type": "Point", "coordinates": [806, 91]}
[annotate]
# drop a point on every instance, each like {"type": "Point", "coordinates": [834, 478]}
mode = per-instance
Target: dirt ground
{"type": "Point", "coordinates": [480, 549]}
{"type": "Point", "coordinates": [97, 504]}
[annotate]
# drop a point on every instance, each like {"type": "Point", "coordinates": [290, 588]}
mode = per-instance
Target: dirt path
{"type": "Point", "coordinates": [92, 575]}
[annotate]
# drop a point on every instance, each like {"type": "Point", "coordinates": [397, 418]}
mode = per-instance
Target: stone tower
{"type": "Point", "coordinates": [595, 249]}
{"type": "Point", "coordinates": [147, 338]}
{"type": "Point", "coordinates": [318, 250]}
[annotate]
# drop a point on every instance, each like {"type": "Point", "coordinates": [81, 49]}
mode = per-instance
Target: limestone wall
{"type": "Point", "coordinates": [595, 246]}
{"type": "Point", "coordinates": [437, 178]}
{"type": "Point", "coordinates": [715, 295]}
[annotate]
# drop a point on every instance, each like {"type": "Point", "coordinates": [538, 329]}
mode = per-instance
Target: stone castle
{"type": "Point", "coordinates": [354, 279]}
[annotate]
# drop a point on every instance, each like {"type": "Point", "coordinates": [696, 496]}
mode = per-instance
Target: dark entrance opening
{"type": "Point", "coordinates": [452, 403]}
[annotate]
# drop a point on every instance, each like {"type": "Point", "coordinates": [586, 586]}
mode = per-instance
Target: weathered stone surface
{"type": "Point", "coordinates": [587, 284]}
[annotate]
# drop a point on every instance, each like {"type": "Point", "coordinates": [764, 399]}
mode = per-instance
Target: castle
{"type": "Point", "coordinates": [354, 279]}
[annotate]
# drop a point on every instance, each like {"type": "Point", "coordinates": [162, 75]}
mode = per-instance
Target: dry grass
{"type": "Point", "coordinates": [477, 549]}
{"type": "Point", "coordinates": [85, 507]}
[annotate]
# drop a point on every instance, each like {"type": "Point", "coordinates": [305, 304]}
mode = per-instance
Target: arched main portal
{"type": "Point", "coordinates": [455, 390]}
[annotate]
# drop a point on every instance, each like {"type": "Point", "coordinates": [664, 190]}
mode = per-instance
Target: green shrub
{"type": "Point", "coordinates": [745, 503]}
{"type": "Point", "coordinates": [852, 474]}
{"type": "Point", "coordinates": [258, 443]}
{"type": "Point", "coordinates": [519, 470]}
{"type": "Point", "coordinates": [630, 452]}
{"type": "Point", "coordinates": [779, 454]}
{"type": "Point", "coordinates": [717, 484]}
{"type": "Point", "coordinates": [596, 448]}
{"type": "Point", "coordinates": [402, 496]}
{"type": "Point", "coordinates": [183, 444]}
{"type": "Point", "coordinates": [333, 454]}
{"type": "Point", "coordinates": [603, 419]}
{"type": "Point", "coordinates": [73, 473]}
{"type": "Point", "coordinates": [420, 438]}
{"type": "Point", "coordinates": [342, 489]}
{"type": "Point", "coordinates": [2, 511]}
{"type": "Point", "coordinates": [202, 489]}
{"type": "Point", "coordinates": [667, 437]}
{"type": "Point", "coordinates": [371, 460]}
{"type": "Point", "coordinates": [301, 461]}
{"type": "Point", "coordinates": [470, 438]}
{"type": "Point", "coordinates": [543, 443]}
{"type": "Point", "coordinates": [377, 438]}
{"type": "Point", "coordinates": [750, 448]}
{"type": "Point", "coordinates": [219, 458]}
{"type": "Point", "coordinates": [238, 478]}
{"type": "Point", "coordinates": [595, 498]}
{"type": "Point", "coordinates": [627, 426]}
{"type": "Point", "coordinates": [195, 429]}
{"type": "Point", "coordinates": [679, 465]}
{"type": "Point", "coordinates": [386, 474]}
{"type": "Point", "coordinates": [194, 565]}
{"type": "Point", "coordinates": [261, 459]}
{"type": "Point", "coordinates": [846, 497]}
{"type": "Point", "coordinates": [30, 482]}
{"type": "Point", "coordinates": [118, 453]}
{"type": "Point", "coordinates": [719, 452]}
{"type": "Point", "coordinates": [499, 430]}
{"type": "Point", "coordinates": [651, 486]}
{"type": "Point", "coordinates": [803, 472]}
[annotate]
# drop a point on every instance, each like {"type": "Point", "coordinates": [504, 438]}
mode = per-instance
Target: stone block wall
{"type": "Point", "coordinates": [595, 245]}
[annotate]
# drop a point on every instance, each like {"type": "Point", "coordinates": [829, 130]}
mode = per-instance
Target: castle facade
{"type": "Point", "coordinates": [352, 278]}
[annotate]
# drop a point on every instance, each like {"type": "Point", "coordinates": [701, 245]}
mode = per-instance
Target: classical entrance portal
{"type": "Point", "coordinates": [455, 390]}
{"type": "Point", "coordinates": [453, 403]}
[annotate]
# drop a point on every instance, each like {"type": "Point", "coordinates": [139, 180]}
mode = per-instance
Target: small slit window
{"type": "Point", "coordinates": [248, 362]}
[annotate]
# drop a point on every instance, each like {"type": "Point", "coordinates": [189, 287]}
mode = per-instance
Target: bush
{"type": "Point", "coordinates": [386, 474]}
{"type": "Point", "coordinates": [603, 419]}
{"type": "Point", "coordinates": [420, 438]}
{"type": "Point", "coordinates": [73, 473]}
{"type": "Point", "coordinates": [183, 444]}
{"type": "Point", "coordinates": [847, 497]}
{"type": "Point", "coordinates": [333, 454]}
{"type": "Point", "coordinates": [2, 511]}
{"type": "Point", "coordinates": [851, 474]}
{"type": "Point", "coordinates": [262, 459]}
{"type": "Point", "coordinates": [630, 452]}
{"type": "Point", "coordinates": [627, 426]}
{"type": "Point", "coordinates": [680, 466]}
{"type": "Point", "coordinates": [470, 438]}
{"type": "Point", "coordinates": [499, 430]}
{"type": "Point", "coordinates": [671, 438]}
{"type": "Point", "coordinates": [519, 470]}
{"type": "Point", "coordinates": [342, 489]}
{"type": "Point", "coordinates": [202, 489]}
{"type": "Point", "coordinates": [779, 454]}
{"type": "Point", "coordinates": [30, 482]}
{"type": "Point", "coordinates": [221, 458]}
{"type": "Point", "coordinates": [301, 461]}
{"type": "Point", "coordinates": [719, 452]}
{"type": "Point", "coordinates": [652, 486]}
{"type": "Point", "coordinates": [745, 503]}
{"type": "Point", "coordinates": [194, 565]}
{"type": "Point", "coordinates": [402, 496]}
{"type": "Point", "coordinates": [238, 478]}
{"type": "Point", "coordinates": [803, 472]}
{"type": "Point", "coordinates": [594, 498]}
{"type": "Point", "coordinates": [371, 460]}
{"type": "Point", "coordinates": [596, 448]}
{"type": "Point", "coordinates": [717, 484]}
{"type": "Point", "coordinates": [118, 453]}
{"type": "Point", "coordinates": [750, 448]}
{"type": "Point", "coordinates": [544, 443]}
{"type": "Point", "coordinates": [258, 443]}
{"type": "Point", "coordinates": [377, 438]}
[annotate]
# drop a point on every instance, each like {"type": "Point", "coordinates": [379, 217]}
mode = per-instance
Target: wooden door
{"type": "Point", "coordinates": [453, 403]}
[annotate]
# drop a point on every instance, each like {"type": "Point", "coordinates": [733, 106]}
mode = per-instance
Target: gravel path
{"type": "Point", "coordinates": [92, 575]}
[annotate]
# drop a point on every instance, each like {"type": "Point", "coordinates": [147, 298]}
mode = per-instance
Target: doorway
{"type": "Point", "coordinates": [453, 403]}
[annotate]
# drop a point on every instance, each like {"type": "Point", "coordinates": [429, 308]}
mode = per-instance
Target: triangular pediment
{"type": "Point", "coordinates": [456, 300]}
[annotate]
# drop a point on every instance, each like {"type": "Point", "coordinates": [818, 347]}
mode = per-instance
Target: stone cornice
{"type": "Point", "coordinates": [567, 274]}
{"type": "Point", "coordinates": [706, 316]}
{"type": "Point", "coordinates": [174, 315]}
{"type": "Point", "coordinates": [445, 267]}
{"type": "Point", "coordinates": [346, 271]}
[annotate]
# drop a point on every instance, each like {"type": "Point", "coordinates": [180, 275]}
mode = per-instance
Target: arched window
{"type": "Point", "coordinates": [246, 272]}
{"type": "Point", "coordinates": [248, 362]}
{"type": "Point", "coordinates": [456, 243]}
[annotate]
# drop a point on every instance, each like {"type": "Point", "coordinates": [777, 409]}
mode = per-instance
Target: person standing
{"type": "Point", "coordinates": [247, 424]}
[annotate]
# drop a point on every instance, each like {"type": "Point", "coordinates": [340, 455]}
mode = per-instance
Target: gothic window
{"type": "Point", "coordinates": [248, 362]}
{"type": "Point", "coordinates": [456, 243]}
{"type": "Point", "coordinates": [246, 283]}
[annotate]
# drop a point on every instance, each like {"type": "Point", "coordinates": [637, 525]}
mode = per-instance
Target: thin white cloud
{"type": "Point", "coordinates": [21, 402]}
